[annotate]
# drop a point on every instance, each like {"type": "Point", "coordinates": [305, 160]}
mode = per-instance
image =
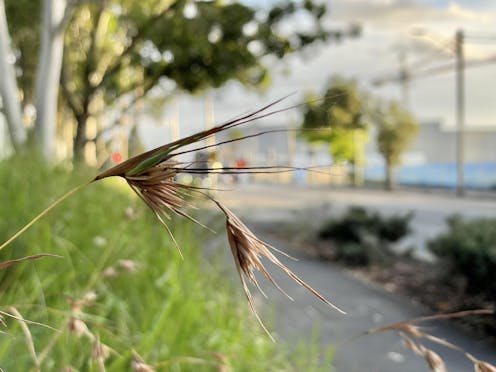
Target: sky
{"type": "Point", "coordinates": [422, 30]}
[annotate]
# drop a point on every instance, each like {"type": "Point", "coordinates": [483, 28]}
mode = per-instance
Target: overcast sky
{"type": "Point", "coordinates": [389, 27]}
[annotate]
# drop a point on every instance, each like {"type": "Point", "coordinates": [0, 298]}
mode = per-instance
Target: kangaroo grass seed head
{"type": "Point", "coordinates": [407, 329]}
{"type": "Point", "coordinates": [129, 266]}
{"type": "Point", "coordinates": [110, 272]}
{"type": "Point", "coordinates": [153, 177]}
{"type": "Point", "coordinates": [434, 361]}
{"type": "Point", "coordinates": [248, 252]}
{"type": "Point", "coordinates": [100, 351]}
{"type": "Point", "coordinates": [481, 366]}
{"type": "Point", "coordinates": [78, 327]}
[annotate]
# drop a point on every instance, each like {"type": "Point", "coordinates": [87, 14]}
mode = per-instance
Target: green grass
{"type": "Point", "coordinates": [179, 315]}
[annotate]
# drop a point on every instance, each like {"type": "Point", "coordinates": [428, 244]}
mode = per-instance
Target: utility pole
{"type": "Point", "coordinates": [405, 80]}
{"type": "Point", "coordinates": [460, 112]}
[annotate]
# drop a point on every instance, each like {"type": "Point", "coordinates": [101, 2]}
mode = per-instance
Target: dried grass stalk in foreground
{"type": "Point", "coordinates": [408, 330]}
{"type": "Point", "coordinates": [152, 176]}
{"type": "Point", "coordinates": [248, 250]}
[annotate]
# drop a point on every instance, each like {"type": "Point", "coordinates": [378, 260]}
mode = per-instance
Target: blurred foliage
{"type": "Point", "coordinates": [178, 314]}
{"type": "Point", "coordinates": [125, 48]}
{"type": "Point", "coordinates": [337, 118]}
{"type": "Point", "coordinates": [468, 250]}
{"type": "Point", "coordinates": [23, 17]}
{"type": "Point", "coordinates": [361, 236]}
{"type": "Point", "coordinates": [121, 48]}
{"type": "Point", "coordinates": [396, 129]}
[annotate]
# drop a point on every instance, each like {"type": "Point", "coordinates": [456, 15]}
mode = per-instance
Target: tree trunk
{"type": "Point", "coordinates": [48, 74]}
{"type": "Point", "coordinates": [389, 184]}
{"type": "Point", "coordinates": [11, 105]}
{"type": "Point", "coordinates": [80, 139]}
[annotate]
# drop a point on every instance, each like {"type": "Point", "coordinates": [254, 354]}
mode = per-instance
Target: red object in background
{"type": "Point", "coordinates": [241, 163]}
{"type": "Point", "coordinates": [116, 157]}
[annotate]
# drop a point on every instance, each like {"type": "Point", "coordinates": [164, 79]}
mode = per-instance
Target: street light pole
{"type": "Point", "coordinates": [460, 112]}
{"type": "Point", "coordinates": [405, 80]}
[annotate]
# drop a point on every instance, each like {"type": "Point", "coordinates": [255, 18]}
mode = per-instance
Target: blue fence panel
{"type": "Point", "coordinates": [477, 175]}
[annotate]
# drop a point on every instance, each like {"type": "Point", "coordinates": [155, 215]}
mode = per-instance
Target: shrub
{"type": "Point", "coordinates": [353, 254]}
{"type": "Point", "coordinates": [393, 229]}
{"type": "Point", "coordinates": [361, 236]}
{"type": "Point", "coordinates": [468, 249]}
{"type": "Point", "coordinates": [350, 227]}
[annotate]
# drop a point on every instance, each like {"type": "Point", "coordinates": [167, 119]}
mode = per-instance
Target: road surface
{"type": "Point", "coordinates": [367, 306]}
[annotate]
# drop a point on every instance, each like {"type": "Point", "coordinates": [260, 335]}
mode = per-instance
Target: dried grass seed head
{"type": "Point", "coordinates": [248, 252]}
{"type": "Point", "coordinates": [139, 365]}
{"type": "Point", "coordinates": [100, 351]}
{"type": "Point", "coordinates": [480, 366]}
{"type": "Point", "coordinates": [434, 361]}
{"type": "Point", "coordinates": [79, 328]}
{"type": "Point", "coordinates": [152, 175]}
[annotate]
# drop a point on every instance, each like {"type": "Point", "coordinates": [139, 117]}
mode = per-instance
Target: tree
{"type": "Point", "coordinates": [54, 16]}
{"type": "Point", "coordinates": [337, 118]}
{"type": "Point", "coordinates": [11, 106]}
{"type": "Point", "coordinates": [123, 53]}
{"type": "Point", "coordinates": [118, 51]}
{"type": "Point", "coordinates": [396, 129]}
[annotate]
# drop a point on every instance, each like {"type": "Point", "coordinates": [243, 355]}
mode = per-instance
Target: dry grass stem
{"type": "Point", "coordinates": [433, 359]}
{"type": "Point", "coordinates": [152, 175]}
{"type": "Point", "coordinates": [5, 264]}
{"type": "Point", "coordinates": [41, 214]}
{"type": "Point", "coordinates": [28, 336]}
{"type": "Point", "coordinates": [8, 315]}
{"type": "Point", "coordinates": [410, 343]}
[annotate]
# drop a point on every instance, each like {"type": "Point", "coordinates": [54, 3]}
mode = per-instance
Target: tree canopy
{"type": "Point", "coordinates": [124, 49]}
{"type": "Point", "coordinates": [396, 129]}
{"type": "Point", "coordinates": [337, 118]}
{"type": "Point", "coordinates": [128, 48]}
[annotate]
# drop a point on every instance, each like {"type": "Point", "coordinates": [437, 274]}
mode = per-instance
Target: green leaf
{"type": "Point", "coordinates": [148, 163]}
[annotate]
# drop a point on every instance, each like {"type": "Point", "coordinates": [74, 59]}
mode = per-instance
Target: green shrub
{"type": "Point", "coordinates": [361, 236]}
{"type": "Point", "coordinates": [393, 229]}
{"type": "Point", "coordinates": [350, 227]}
{"type": "Point", "coordinates": [468, 249]}
{"type": "Point", "coordinates": [353, 254]}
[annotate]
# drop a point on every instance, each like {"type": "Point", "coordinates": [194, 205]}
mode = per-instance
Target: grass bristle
{"type": "Point", "coordinates": [435, 362]}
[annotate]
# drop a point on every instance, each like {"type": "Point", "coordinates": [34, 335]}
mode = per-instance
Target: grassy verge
{"type": "Point", "coordinates": [176, 314]}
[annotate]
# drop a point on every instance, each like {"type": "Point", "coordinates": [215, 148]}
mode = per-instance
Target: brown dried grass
{"type": "Point", "coordinates": [153, 177]}
{"type": "Point", "coordinates": [408, 330]}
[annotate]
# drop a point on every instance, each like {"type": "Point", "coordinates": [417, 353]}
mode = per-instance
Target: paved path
{"type": "Point", "coordinates": [367, 305]}
{"type": "Point", "coordinates": [284, 203]}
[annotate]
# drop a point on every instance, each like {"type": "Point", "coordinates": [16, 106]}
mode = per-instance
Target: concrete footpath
{"type": "Point", "coordinates": [367, 305]}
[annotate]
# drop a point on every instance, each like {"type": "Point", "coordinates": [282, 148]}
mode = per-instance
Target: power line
{"type": "Point", "coordinates": [459, 66]}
